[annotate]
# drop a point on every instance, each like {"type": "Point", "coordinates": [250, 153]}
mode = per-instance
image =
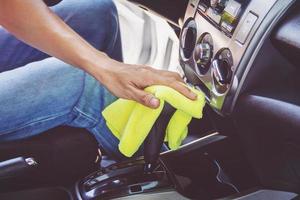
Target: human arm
{"type": "Point", "coordinates": [32, 21]}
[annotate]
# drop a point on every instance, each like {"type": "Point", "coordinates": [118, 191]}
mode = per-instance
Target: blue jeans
{"type": "Point", "coordinates": [38, 92]}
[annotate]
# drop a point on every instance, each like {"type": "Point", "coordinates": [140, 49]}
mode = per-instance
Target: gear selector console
{"type": "Point", "coordinates": [157, 172]}
{"type": "Point", "coordinates": [123, 179]}
{"type": "Point", "coordinates": [136, 176]}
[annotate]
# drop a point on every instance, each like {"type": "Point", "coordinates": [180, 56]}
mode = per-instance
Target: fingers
{"type": "Point", "coordinates": [169, 74]}
{"type": "Point", "coordinates": [183, 90]}
{"type": "Point", "coordinates": [145, 98]}
{"type": "Point", "coordinates": [131, 84]}
{"type": "Point", "coordinates": [173, 80]}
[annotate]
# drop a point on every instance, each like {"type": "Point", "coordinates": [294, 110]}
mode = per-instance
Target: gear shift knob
{"type": "Point", "coordinates": [155, 138]}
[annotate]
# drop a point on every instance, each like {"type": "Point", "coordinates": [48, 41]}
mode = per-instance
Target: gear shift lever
{"type": "Point", "coordinates": [155, 138]}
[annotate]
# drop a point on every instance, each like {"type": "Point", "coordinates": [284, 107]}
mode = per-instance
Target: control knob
{"type": "Point", "coordinates": [203, 53]}
{"type": "Point", "coordinates": [222, 70]}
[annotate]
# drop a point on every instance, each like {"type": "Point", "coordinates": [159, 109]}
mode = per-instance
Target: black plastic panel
{"type": "Point", "coordinates": [209, 168]}
{"type": "Point", "coordinates": [37, 194]}
{"type": "Point", "coordinates": [286, 35]}
{"type": "Point", "coordinates": [270, 132]}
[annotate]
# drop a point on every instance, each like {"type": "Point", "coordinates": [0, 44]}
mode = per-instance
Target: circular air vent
{"type": "Point", "coordinates": [188, 39]}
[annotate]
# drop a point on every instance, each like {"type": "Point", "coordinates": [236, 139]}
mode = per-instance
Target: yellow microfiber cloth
{"type": "Point", "coordinates": [131, 122]}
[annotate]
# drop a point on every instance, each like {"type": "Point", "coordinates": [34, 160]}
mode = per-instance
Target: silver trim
{"type": "Point", "coordinates": [219, 177]}
{"type": "Point", "coordinates": [31, 161]}
{"type": "Point", "coordinates": [190, 23]}
{"type": "Point", "coordinates": [77, 191]}
{"type": "Point", "coordinates": [167, 195]}
{"type": "Point", "coordinates": [267, 194]}
{"type": "Point", "coordinates": [191, 143]}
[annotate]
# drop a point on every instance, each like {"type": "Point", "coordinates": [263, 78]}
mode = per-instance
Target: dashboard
{"type": "Point", "coordinates": [248, 67]}
{"type": "Point", "coordinates": [213, 41]}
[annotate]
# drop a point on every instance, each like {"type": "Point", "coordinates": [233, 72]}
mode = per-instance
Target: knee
{"type": "Point", "coordinates": [104, 22]}
{"type": "Point", "coordinates": [88, 14]}
{"type": "Point", "coordinates": [86, 7]}
{"type": "Point", "coordinates": [102, 13]}
{"type": "Point", "coordinates": [106, 7]}
{"type": "Point", "coordinates": [95, 20]}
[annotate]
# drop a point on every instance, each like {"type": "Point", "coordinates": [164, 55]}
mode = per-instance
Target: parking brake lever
{"type": "Point", "coordinates": [155, 138]}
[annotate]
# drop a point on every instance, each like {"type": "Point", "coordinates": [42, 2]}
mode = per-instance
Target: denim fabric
{"type": "Point", "coordinates": [38, 92]}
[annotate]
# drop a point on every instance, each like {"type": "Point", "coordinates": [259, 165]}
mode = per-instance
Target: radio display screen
{"type": "Point", "coordinates": [224, 14]}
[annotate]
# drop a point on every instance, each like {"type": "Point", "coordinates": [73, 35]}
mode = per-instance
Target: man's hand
{"type": "Point", "coordinates": [129, 81]}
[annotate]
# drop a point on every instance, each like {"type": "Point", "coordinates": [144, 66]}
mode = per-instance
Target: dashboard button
{"type": "Point", "coordinates": [227, 27]}
{"type": "Point", "coordinates": [233, 8]}
{"type": "Point", "coordinates": [246, 28]}
{"type": "Point", "coordinates": [202, 8]}
{"type": "Point", "coordinates": [214, 16]}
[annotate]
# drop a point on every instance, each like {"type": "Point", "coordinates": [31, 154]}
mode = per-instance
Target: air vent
{"type": "Point", "coordinates": [188, 38]}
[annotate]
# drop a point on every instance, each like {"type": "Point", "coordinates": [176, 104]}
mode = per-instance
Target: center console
{"type": "Point", "coordinates": [214, 38]}
{"type": "Point", "coordinates": [123, 179]}
{"type": "Point", "coordinates": [171, 171]}
{"type": "Point", "coordinates": [178, 175]}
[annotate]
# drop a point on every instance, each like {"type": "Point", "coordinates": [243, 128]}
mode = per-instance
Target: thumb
{"type": "Point", "coordinates": [145, 98]}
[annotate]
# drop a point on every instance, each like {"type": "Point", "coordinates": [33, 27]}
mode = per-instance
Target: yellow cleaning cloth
{"type": "Point", "coordinates": [131, 122]}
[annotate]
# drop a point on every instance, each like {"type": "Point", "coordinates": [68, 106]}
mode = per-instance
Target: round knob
{"type": "Point", "coordinates": [203, 54]}
{"type": "Point", "coordinates": [222, 71]}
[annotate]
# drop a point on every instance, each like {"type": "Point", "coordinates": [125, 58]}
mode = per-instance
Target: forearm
{"type": "Point", "coordinates": [34, 23]}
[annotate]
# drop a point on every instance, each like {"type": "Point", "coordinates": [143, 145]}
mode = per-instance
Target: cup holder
{"type": "Point", "coordinates": [188, 38]}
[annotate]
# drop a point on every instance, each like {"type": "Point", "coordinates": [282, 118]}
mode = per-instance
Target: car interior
{"type": "Point", "coordinates": [243, 55]}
